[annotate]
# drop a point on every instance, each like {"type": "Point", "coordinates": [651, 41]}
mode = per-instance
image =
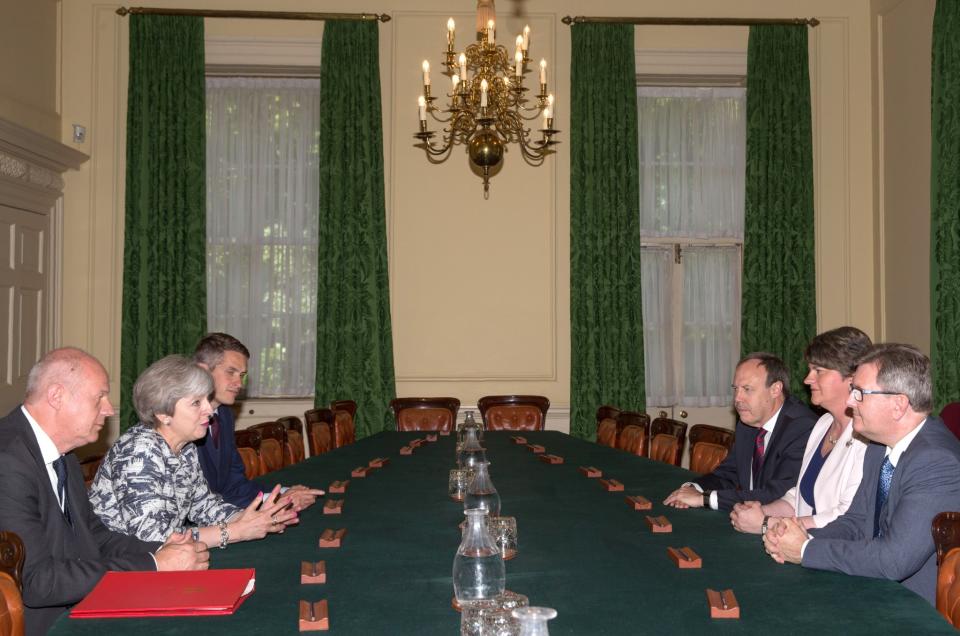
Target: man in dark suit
{"type": "Point", "coordinates": [910, 474]}
{"type": "Point", "coordinates": [43, 498]}
{"type": "Point", "coordinates": [226, 358]}
{"type": "Point", "coordinates": [771, 436]}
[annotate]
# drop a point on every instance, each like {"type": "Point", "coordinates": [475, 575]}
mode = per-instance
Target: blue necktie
{"type": "Point", "coordinates": [883, 489]}
{"type": "Point", "coordinates": [60, 467]}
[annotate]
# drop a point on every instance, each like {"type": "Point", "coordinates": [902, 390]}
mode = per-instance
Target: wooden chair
{"type": "Point", "coordinates": [89, 467]}
{"type": "Point", "coordinates": [634, 432]}
{"type": "Point", "coordinates": [344, 427]}
{"type": "Point", "coordinates": [425, 413]}
{"type": "Point", "coordinates": [319, 430]}
{"type": "Point", "coordinates": [667, 437]}
{"type": "Point", "coordinates": [11, 584]}
{"type": "Point", "coordinates": [272, 440]}
{"type": "Point", "coordinates": [946, 537]}
{"type": "Point", "coordinates": [709, 445]}
{"type": "Point", "coordinates": [607, 426]}
{"type": "Point", "coordinates": [513, 412]}
{"type": "Point", "coordinates": [294, 448]}
{"type": "Point", "coordinates": [248, 445]}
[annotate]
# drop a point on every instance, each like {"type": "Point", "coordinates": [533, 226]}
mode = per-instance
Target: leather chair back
{"type": "Point", "coordinates": [319, 430]}
{"type": "Point", "coordinates": [344, 425]}
{"type": "Point", "coordinates": [706, 456]}
{"type": "Point", "coordinates": [89, 467]}
{"type": "Point", "coordinates": [248, 446]}
{"type": "Point", "coordinates": [672, 428]}
{"type": "Point", "coordinates": [513, 412]}
{"type": "Point", "coordinates": [633, 439]}
{"type": "Point", "coordinates": [946, 533]}
{"type": "Point", "coordinates": [665, 448]}
{"type": "Point", "coordinates": [294, 448]}
{"type": "Point", "coordinates": [11, 607]}
{"type": "Point", "coordinates": [607, 432]}
{"type": "Point", "coordinates": [12, 555]}
{"type": "Point", "coordinates": [948, 587]}
{"type": "Point", "coordinates": [425, 414]}
{"type": "Point", "coordinates": [272, 440]}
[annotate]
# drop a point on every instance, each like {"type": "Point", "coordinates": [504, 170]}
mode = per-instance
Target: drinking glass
{"type": "Point", "coordinates": [504, 531]}
{"type": "Point", "coordinates": [459, 482]}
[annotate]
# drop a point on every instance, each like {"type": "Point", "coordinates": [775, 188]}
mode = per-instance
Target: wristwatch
{"type": "Point", "coordinates": [706, 498]}
{"type": "Point", "coordinates": [195, 533]}
{"type": "Point", "coordinates": [763, 526]}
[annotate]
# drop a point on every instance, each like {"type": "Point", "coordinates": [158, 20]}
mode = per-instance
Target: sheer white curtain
{"type": "Point", "coordinates": [692, 164]}
{"type": "Point", "coordinates": [262, 199]}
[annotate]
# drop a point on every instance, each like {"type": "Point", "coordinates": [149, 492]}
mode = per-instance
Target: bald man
{"type": "Point", "coordinates": [43, 498]}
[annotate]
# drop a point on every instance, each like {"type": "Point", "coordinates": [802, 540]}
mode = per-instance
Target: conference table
{"type": "Point", "coordinates": [582, 551]}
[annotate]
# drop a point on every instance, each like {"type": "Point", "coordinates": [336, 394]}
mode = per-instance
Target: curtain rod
{"type": "Point", "coordinates": [693, 21]}
{"type": "Point", "coordinates": [262, 15]}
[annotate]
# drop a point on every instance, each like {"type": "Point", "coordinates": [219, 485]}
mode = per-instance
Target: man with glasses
{"type": "Point", "coordinates": [910, 474]}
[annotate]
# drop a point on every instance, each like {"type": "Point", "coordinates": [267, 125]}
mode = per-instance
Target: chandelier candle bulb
{"type": "Point", "coordinates": [463, 67]}
{"type": "Point", "coordinates": [546, 118]}
{"type": "Point", "coordinates": [426, 72]}
{"type": "Point", "coordinates": [526, 38]}
{"type": "Point", "coordinates": [518, 59]}
{"type": "Point", "coordinates": [483, 93]}
{"type": "Point", "coordinates": [543, 72]}
{"type": "Point", "coordinates": [422, 105]}
{"type": "Point", "coordinates": [490, 32]}
{"type": "Point", "coordinates": [451, 33]}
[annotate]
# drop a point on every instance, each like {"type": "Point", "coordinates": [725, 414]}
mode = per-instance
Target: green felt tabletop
{"type": "Point", "coordinates": [582, 551]}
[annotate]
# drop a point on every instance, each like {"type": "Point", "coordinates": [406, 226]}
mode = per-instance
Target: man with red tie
{"type": "Point", "coordinates": [771, 436]}
{"type": "Point", "coordinates": [226, 358]}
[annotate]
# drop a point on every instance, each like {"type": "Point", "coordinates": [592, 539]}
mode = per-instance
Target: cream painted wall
{"type": "Point", "coordinates": [479, 289]}
{"type": "Point", "coordinates": [29, 53]}
{"type": "Point", "coordinates": [904, 45]}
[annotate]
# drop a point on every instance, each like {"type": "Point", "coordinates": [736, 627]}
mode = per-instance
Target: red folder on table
{"type": "Point", "coordinates": [195, 593]}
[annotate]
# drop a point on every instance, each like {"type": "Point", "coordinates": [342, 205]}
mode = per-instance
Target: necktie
{"type": "Point", "coordinates": [60, 467]}
{"type": "Point", "coordinates": [758, 449]}
{"type": "Point", "coordinates": [883, 489]}
{"type": "Point", "coordinates": [215, 430]}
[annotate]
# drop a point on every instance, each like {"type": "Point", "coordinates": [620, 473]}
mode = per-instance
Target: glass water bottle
{"type": "Point", "coordinates": [481, 493]}
{"type": "Point", "coordinates": [478, 571]}
{"type": "Point", "coordinates": [533, 620]}
{"type": "Point", "coordinates": [472, 452]}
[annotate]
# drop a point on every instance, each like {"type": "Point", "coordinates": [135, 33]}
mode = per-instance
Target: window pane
{"type": "Point", "coordinates": [262, 201]}
{"type": "Point", "coordinates": [656, 266]}
{"type": "Point", "coordinates": [692, 161]}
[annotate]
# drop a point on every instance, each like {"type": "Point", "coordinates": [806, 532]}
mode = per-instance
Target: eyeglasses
{"type": "Point", "coordinates": [858, 393]}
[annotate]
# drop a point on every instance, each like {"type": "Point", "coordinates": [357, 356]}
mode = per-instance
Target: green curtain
{"type": "Point", "coordinates": [606, 320]}
{"type": "Point", "coordinates": [779, 288]}
{"type": "Point", "coordinates": [354, 335]}
{"type": "Point", "coordinates": [945, 204]}
{"type": "Point", "coordinates": [164, 252]}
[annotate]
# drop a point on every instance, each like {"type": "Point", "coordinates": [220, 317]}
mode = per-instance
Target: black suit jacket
{"type": "Point", "coordinates": [63, 563]}
{"type": "Point", "coordinates": [781, 465]}
{"type": "Point", "coordinates": [224, 469]}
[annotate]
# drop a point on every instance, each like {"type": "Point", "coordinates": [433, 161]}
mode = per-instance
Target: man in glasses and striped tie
{"type": "Point", "coordinates": [910, 473]}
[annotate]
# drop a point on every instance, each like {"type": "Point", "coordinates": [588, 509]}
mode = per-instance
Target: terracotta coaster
{"type": "Point", "coordinates": [551, 459]}
{"type": "Point", "coordinates": [360, 471]}
{"type": "Point", "coordinates": [432, 437]}
{"type": "Point", "coordinates": [659, 524]}
{"type": "Point", "coordinates": [535, 448]}
{"type": "Point", "coordinates": [333, 506]}
{"type": "Point", "coordinates": [338, 487]}
{"type": "Point", "coordinates": [685, 558]}
{"type": "Point", "coordinates": [590, 472]}
{"type": "Point", "coordinates": [406, 450]}
{"type": "Point", "coordinates": [331, 538]}
{"type": "Point", "coordinates": [313, 572]}
{"type": "Point", "coordinates": [611, 485]}
{"type": "Point", "coordinates": [639, 503]}
{"type": "Point", "coordinates": [378, 462]}
{"type": "Point", "coordinates": [519, 440]}
{"type": "Point", "coordinates": [723, 604]}
{"type": "Point", "coordinates": [314, 616]}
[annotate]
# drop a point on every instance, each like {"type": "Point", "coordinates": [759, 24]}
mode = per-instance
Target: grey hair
{"type": "Point", "coordinates": [902, 368]}
{"type": "Point", "coordinates": [164, 383]}
{"type": "Point", "coordinates": [60, 366]}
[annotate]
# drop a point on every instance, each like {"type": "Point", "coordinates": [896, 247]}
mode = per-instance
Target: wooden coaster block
{"type": "Point", "coordinates": [685, 558]}
{"type": "Point", "coordinates": [723, 604]}
{"type": "Point", "coordinates": [338, 487]}
{"type": "Point", "coordinates": [313, 572]}
{"type": "Point", "coordinates": [590, 472]}
{"type": "Point", "coordinates": [378, 462]}
{"type": "Point", "coordinates": [551, 459]}
{"type": "Point", "coordinates": [406, 450]}
{"type": "Point", "coordinates": [333, 506]}
{"type": "Point", "coordinates": [314, 616]}
{"type": "Point", "coordinates": [360, 471]}
{"type": "Point", "coordinates": [415, 443]}
{"type": "Point", "coordinates": [659, 524]}
{"type": "Point", "coordinates": [611, 485]}
{"type": "Point", "coordinates": [639, 503]}
{"type": "Point", "coordinates": [535, 448]}
{"type": "Point", "coordinates": [431, 437]}
{"type": "Point", "coordinates": [331, 538]}
{"type": "Point", "coordinates": [519, 440]}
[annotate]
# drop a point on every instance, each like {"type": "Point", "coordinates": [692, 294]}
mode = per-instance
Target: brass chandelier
{"type": "Point", "coordinates": [487, 106]}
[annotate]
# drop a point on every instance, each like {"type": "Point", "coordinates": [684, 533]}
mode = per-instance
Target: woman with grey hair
{"type": "Point", "coordinates": [150, 484]}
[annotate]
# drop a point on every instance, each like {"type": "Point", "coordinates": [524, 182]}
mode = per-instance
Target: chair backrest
{"type": "Point", "coordinates": [425, 413]}
{"type": "Point", "coordinates": [633, 439]}
{"type": "Point", "coordinates": [319, 430]}
{"type": "Point", "coordinates": [672, 428]}
{"type": "Point", "coordinates": [513, 412]}
{"type": "Point", "coordinates": [706, 456]}
{"type": "Point", "coordinates": [12, 555]}
{"type": "Point", "coordinates": [713, 434]}
{"type": "Point", "coordinates": [607, 432]}
{"type": "Point", "coordinates": [11, 607]}
{"type": "Point", "coordinates": [89, 467]}
{"type": "Point", "coordinates": [951, 417]}
{"type": "Point", "coordinates": [251, 461]}
{"type": "Point", "coordinates": [946, 533]}
{"type": "Point", "coordinates": [293, 449]}
{"type": "Point", "coordinates": [344, 426]}
{"type": "Point", "coordinates": [272, 439]}
{"type": "Point", "coordinates": [948, 587]}
{"type": "Point", "coordinates": [665, 448]}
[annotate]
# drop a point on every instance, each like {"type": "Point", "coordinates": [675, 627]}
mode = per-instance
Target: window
{"type": "Point", "coordinates": [692, 165]}
{"type": "Point", "coordinates": [262, 205]}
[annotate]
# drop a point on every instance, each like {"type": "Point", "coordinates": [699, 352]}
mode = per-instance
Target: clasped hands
{"type": "Point", "coordinates": [784, 540]}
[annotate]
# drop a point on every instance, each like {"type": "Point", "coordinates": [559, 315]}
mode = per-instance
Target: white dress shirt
{"type": "Point", "coordinates": [48, 451]}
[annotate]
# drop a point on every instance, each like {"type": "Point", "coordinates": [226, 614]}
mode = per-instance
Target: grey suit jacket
{"type": "Point", "coordinates": [926, 481]}
{"type": "Point", "coordinates": [63, 563]}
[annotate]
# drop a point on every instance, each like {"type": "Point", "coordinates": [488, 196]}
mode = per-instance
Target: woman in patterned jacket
{"type": "Point", "coordinates": [150, 484]}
